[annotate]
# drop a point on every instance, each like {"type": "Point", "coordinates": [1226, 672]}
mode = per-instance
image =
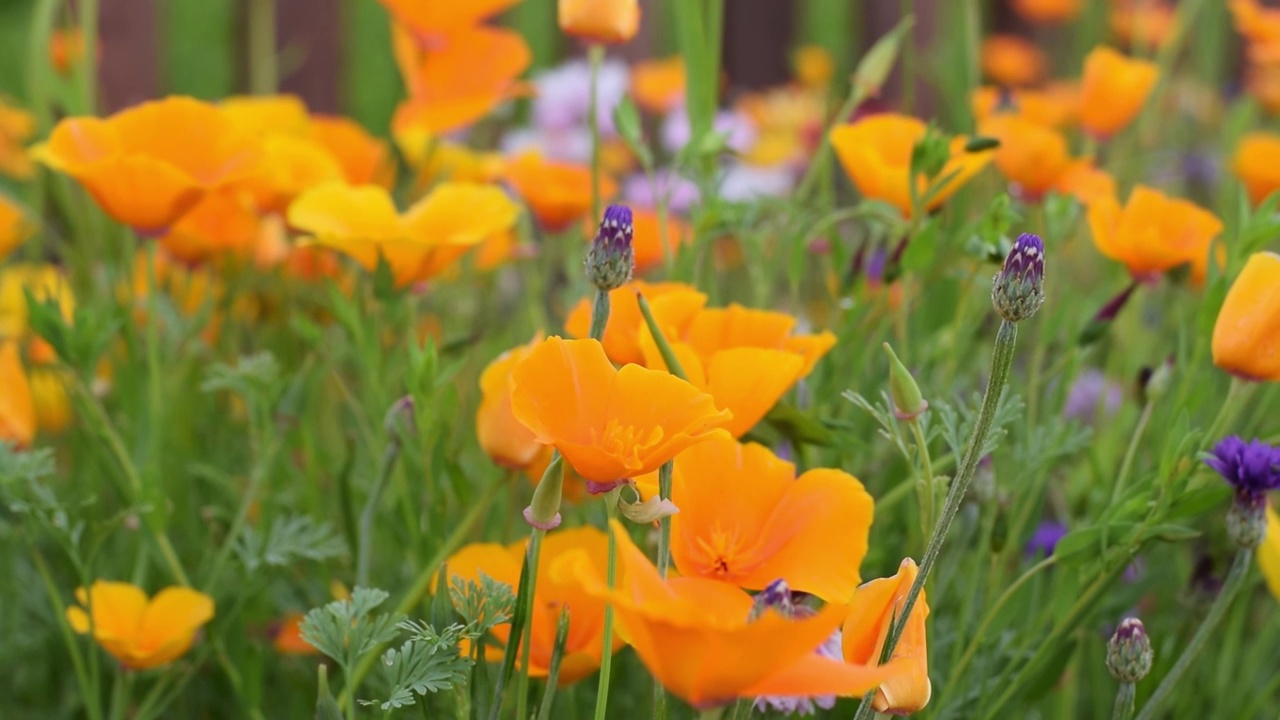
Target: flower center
{"type": "Point", "coordinates": [627, 442]}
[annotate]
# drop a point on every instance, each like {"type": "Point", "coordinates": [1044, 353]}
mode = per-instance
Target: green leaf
{"type": "Point", "coordinates": [344, 629]}
{"type": "Point", "coordinates": [799, 426]}
{"type": "Point", "coordinates": [626, 119]}
{"type": "Point", "coordinates": [290, 539]}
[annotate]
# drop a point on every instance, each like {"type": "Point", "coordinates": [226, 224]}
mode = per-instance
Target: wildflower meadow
{"type": "Point", "coordinates": [560, 368]}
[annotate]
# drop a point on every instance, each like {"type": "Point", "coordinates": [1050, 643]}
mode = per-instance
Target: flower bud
{"type": "Point", "coordinates": [908, 403]}
{"type": "Point", "coordinates": [1253, 470]}
{"type": "Point", "coordinates": [399, 419]}
{"type": "Point", "coordinates": [1129, 653]}
{"type": "Point", "coordinates": [611, 259]}
{"type": "Point", "coordinates": [544, 509]}
{"type": "Point", "coordinates": [1018, 289]}
{"type": "Point", "coordinates": [1154, 382]}
{"type": "Point", "coordinates": [1246, 522]}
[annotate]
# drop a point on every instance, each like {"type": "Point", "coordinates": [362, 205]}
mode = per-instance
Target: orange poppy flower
{"type": "Point", "coordinates": [1085, 182]}
{"type": "Point", "coordinates": [1143, 23]}
{"type": "Point", "coordinates": [813, 67]}
{"type": "Point", "coordinates": [364, 159]}
{"type": "Point", "coordinates": [876, 155]}
{"type": "Point", "coordinates": [503, 438]}
{"type": "Point", "coordinates": [585, 641]}
{"type": "Point", "coordinates": [430, 21]}
{"type": "Point", "coordinates": [659, 85]}
{"type": "Point", "coordinates": [292, 165]}
{"type": "Point", "coordinates": [1258, 24]}
{"type": "Point", "coordinates": [17, 409]}
{"type": "Point", "coordinates": [45, 282]}
{"type": "Point", "coordinates": [1263, 83]}
{"type": "Point", "coordinates": [697, 638]}
{"type": "Point", "coordinates": [1031, 156]}
{"type": "Point", "coordinates": [674, 306]}
{"type": "Point", "coordinates": [437, 159]}
{"type": "Point", "coordinates": [874, 606]}
{"type": "Point", "coordinates": [1012, 60]}
{"type": "Point", "coordinates": [608, 424]}
{"type": "Point", "coordinates": [15, 226]}
{"type": "Point", "coordinates": [1246, 338]}
{"type": "Point", "coordinates": [558, 193]}
{"type": "Point", "coordinates": [221, 223]}
{"type": "Point", "coordinates": [1113, 90]}
{"type": "Point", "coordinates": [149, 164]}
{"type": "Point", "coordinates": [1269, 553]}
{"type": "Point", "coordinates": [1153, 233]}
{"type": "Point", "coordinates": [1257, 164]}
{"type": "Point", "coordinates": [138, 632]}
{"type": "Point", "coordinates": [16, 128]}
{"type": "Point", "coordinates": [265, 115]}
{"type": "Point", "coordinates": [1048, 11]}
{"type": "Point", "coordinates": [600, 21]}
{"type": "Point", "coordinates": [810, 531]}
{"type": "Point", "coordinates": [288, 640]}
{"type": "Point", "coordinates": [459, 81]}
{"type": "Point", "coordinates": [362, 222]}
{"type": "Point", "coordinates": [1055, 105]}
{"type": "Point", "coordinates": [744, 358]}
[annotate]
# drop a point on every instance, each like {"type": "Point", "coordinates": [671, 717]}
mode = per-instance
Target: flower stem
{"type": "Point", "coordinates": [1123, 709]}
{"type": "Point", "coordinates": [522, 686]}
{"type": "Point", "coordinates": [595, 55]}
{"type": "Point", "coordinates": [1231, 586]}
{"type": "Point", "coordinates": [664, 347]}
{"type": "Point", "coordinates": [1002, 359]}
{"type": "Point", "coordinates": [263, 62]}
{"type": "Point", "coordinates": [553, 671]}
{"type": "Point", "coordinates": [925, 486]}
{"type": "Point", "coordinates": [606, 655]}
{"type": "Point", "coordinates": [599, 314]}
{"type": "Point", "coordinates": [370, 510]}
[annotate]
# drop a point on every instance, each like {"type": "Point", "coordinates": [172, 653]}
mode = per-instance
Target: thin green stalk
{"type": "Point", "coordinates": [89, 63]}
{"type": "Point", "coordinates": [1123, 709]}
{"type": "Point", "coordinates": [664, 347]}
{"type": "Point", "coordinates": [155, 393]}
{"type": "Point", "coordinates": [1230, 587]}
{"type": "Point", "coordinates": [1144, 420]}
{"type": "Point", "coordinates": [909, 62]}
{"type": "Point", "coordinates": [1006, 340]}
{"type": "Point", "coordinates": [91, 699]}
{"type": "Point", "coordinates": [553, 671]}
{"type": "Point", "coordinates": [426, 574]}
{"type": "Point", "coordinates": [121, 690]}
{"type": "Point", "coordinates": [264, 70]}
{"type": "Point", "coordinates": [928, 508]}
{"type": "Point", "coordinates": [370, 511]}
{"type": "Point", "coordinates": [522, 686]}
{"type": "Point", "coordinates": [595, 55]}
{"type": "Point", "coordinates": [606, 655]}
{"type": "Point", "coordinates": [599, 314]}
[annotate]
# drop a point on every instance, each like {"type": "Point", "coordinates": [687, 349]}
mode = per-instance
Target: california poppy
{"type": "Point", "coordinates": [697, 636]}
{"type": "Point", "coordinates": [17, 410]}
{"type": "Point", "coordinates": [364, 159]}
{"type": "Point", "coordinates": [458, 81]}
{"type": "Point", "coordinates": [15, 226]}
{"type": "Point", "coordinates": [1054, 105]}
{"type": "Point", "coordinates": [287, 637]}
{"type": "Point", "coordinates": [362, 222]}
{"type": "Point", "coordinates": [659, 85]}
{"type": "Point", "coordinates": [1153, 233]}
{"type": "Point", "coordinates": [1143, 23]}
{"type": "Point", "coordinates": [746, 518]}
{"type": "Point", "coordinates": [608, 424]}
{"type": "Point", "coordinates": [432, 22]}
{"type": "Point", "coordinates": [1012, 60]}
{"type": "Point", "coordinates": [558, 193]}
{"type": "Point", "coordinates": [17, 126]}
{"type": "Point", "coordinates": [222, 223]}
{"type": "Point", "coordinates": [1246, 338]}
{"type": "Point", "coordinates": [1048, 11]}
{"type": "Point", "coordinates": [149, 164]}
{"type": "Point", "coordinates": [1269, 553]}
{"type": "Point", "coordinates": [875, 605]}
{"type": "Point", "coordinates": [49, 396]}
{"type": "Point", "coordinates": [1260, 25]}
{"type": "Point", "coordinates": [45, 282]}
{"type": "Point", "coordinates": [1085, 182]}
{"type": "Point", "coordinates": [1113, 90]}
{"type": "Point", "coordinates": [813, 67]}
{"type": "Point", "coordinates": [674, 306]}
{"type": "Point", "coordinates": [1257, 164]}
{"type": "Point", "coordinates": [503, 438]}
{"type": "Point", "coordinates": [554, 591]}
{"type": "Point", "coordinates": [601, 21]}
{"type": "Point", "coordinates": [266, 115]}
{"type": "Point", "coordinates": [876, 154]}
{"type": "Point", "coordinates": [745, 358]}
{"type": "Point", "coordinates": [138, 632]}
{"type": "Point", "coordinates": [1031, 156]}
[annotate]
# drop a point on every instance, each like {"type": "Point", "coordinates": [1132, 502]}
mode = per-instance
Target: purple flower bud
{"type": "Point", "coordinates": [1018, 289]}
{"type": "Point", "coordinates": [611, 259]}
{"type": "Point", "coordinates": [1129, 653]}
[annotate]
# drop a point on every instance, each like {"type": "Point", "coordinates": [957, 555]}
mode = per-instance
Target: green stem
{"type": "Point", "coordinates": [60, 611]}
{"type": "Point", "coordinates": [553, 671]}
{"type": "Point", "coordinates": [121, 690]}
{"type": "Point", "coordinates": [370, 511]}
{"type": "Point", "coordinates": [595, 55]}
{"type": "Point", "coordinates": [1117, 490]}
{"type": "Point", "coordinates": [263, 61]}
{"type": "Point", "coordinates": [664, 347]}
{"type": "Point", "coordinates": [1231, 586]}
{"type": "Point", "coordinates": [925, 484]}
{"type": "Point", "coordinates": [89, 63]}
{"type": "Point", "coordinates": [522, 686]}
{"type": "Point", "coordinates": [1123, 709]}
{"type": "Point", "coordinates": [606, 655]}
{"type": "Point", "coordinates": [908, 62]}
{"type": "Point", "coordinates": [714, 713]}
{"type": "Point", "coordinates": [599, 314]}
{"type": "Point", "coordinates": [1002, 359]}
{"type": "Point", "coordinates": [428, 572]}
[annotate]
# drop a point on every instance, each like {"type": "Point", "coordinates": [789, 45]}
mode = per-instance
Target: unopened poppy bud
{"type": "Point", "coordinates": [544, 509]}
{"type": "Point", "coordinates": [908, 403]}
{"type": "Point", "coordinates": [611, 259]}
{"type": "Point", "coordinates": [1018, 289]}
{"type": "Point", "coordinates": [399, 418]}
{"type": "Point", "coordinates": [1129, 653]}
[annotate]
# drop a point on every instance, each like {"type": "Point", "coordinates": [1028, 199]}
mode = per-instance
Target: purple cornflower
{"type": "Point", "coordinates": [1090, 394]}
{"type": "Point", "coordinates": [1045, 539]}
{"type": "Point", "coordinates": [1018, 289]}
{"type": "Point", "coordinates": [611, 258]}
{"type": "Point", "coordinates": [1253, 469]}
